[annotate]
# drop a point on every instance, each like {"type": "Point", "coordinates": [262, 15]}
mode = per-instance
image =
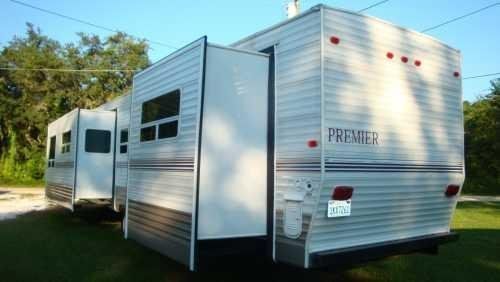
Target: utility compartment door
{"type": "Point", "coordinates": [94, 175]}
{"type": "Point", "coordinates": [233, 168]}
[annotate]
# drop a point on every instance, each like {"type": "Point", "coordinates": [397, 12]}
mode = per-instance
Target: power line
{"type": "Point", "coordinates": [461, 17]}
{"type": "Point", "coordinates": [88, 23]}
{"type": "Point", "coordinates": [372, 6]}
{"type": "Point", "coordinates": [65, 70]}
{"type": "Point", "coordinates": [482, 75]}
{"type": "Point", "coordinates": [129, 70]}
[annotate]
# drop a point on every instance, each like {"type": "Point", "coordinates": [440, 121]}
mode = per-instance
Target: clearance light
{"type": "Point", "coordinates": [456, 74]}
{"type": "Point", "coordinates": [342, 193]}
{"type": "Point", "coordinates": [452, 190]}
{"type": "Point", "coordinates": [417, 63]}
{"type": "Point", "coordinates": [390, 55]}
{"type": "Point", "coordinates": [334, 40]}
{"type": "Point", "coordinates": [312, 143]}
{"type": "Point", "coordinates": [404, 59]}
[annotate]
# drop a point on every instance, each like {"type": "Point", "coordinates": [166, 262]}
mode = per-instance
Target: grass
{"type": "Point", "coordinates": [16, 184]}
{"type": "Point", "coordinates": [56, 245]}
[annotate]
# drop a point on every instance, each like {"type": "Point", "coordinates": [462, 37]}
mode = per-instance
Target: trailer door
{"type": "Point", "coordinates": [94, 177]}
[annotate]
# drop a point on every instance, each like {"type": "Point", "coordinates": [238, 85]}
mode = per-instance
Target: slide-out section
{"type": "Point", "coordinates": [61, 156]}
{"type": "Point", "coordinates": [232, 201]}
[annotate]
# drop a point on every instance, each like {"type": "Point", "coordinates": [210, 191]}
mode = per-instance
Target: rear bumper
{"type": "Point", "coordinates": [360, 254]}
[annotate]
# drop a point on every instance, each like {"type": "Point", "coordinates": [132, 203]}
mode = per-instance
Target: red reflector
{"type": "Point", "coordinates": [417, 63]}
{"type": "Point", "coordinates": [312, 143]}
{"type": "Point", "coordinates": [342, 193]}
{"type": "Point", "coordinates": [452, 190]}
{"type": "Point", "coordinates": [390, 55]}
{"type": "Point", "coordinates": [456, 74]}
{"type": "Point", "coordinates": [334, 40]}
{"type": "Point", "coordinates": [404, 59]}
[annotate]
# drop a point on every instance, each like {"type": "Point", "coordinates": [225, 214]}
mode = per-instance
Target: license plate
{"type": "Point", "coordinates": [339, 208]}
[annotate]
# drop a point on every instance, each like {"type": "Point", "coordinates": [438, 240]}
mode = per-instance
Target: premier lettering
{"type": "Point", "coordinates": [352, 136]}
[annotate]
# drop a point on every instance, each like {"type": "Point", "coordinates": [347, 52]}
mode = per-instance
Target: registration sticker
{"type": "Point", "coordinates": [339, 208]}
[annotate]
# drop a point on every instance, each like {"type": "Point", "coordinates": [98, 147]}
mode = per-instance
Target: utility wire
{"type": "Point", "coordinates": [461, 17]}
{"type": "Point", "coordinates": [482, 75]}
{"type": "Point", "coordinates": [65, 70]}
{"type": "Point", "coordinates": [89, 23]}
{"type": "Point", "coordinates": [373, 6]}
{"type": "Point", "coordinates": [129, 70]}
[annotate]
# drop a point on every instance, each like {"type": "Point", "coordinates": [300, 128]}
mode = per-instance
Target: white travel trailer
{"type": "Point", "coordinates": [80, 157]}
{"type": "Point", "coordinates": [340, 141]}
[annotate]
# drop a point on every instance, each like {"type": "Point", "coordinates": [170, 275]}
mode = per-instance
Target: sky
{"type": "Point", "coordinates": [178, 22]}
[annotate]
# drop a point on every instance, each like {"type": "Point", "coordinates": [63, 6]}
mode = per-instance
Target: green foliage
{"type": "Point", "coordinates": [482, 143]}
{"type": "Point", "coordinates": [29, 100]}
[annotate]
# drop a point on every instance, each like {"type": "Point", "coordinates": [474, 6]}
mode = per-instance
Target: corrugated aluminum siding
{"type": "Point", "coordinates": [60, 179]}
{"type": "Point", "coordinates": [161, 173]}
{"type": "Point", "coordinates": [298, 117]}
{"type": "Point", "coordinates": [122, 106]}
{"type": "Point", "coordinates": [398, 184]}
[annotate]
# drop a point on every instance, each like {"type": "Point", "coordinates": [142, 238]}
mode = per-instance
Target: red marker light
{"type": "Point", "coordinates": [312, 143]}
{"type": "Point", "coordinates": [390, 55]}
{"type": "Point", "coordinates": [334, 40]}
{"type": "Point", "coordinates": [452, 190]}
{"type": "Point", "coordinates": [417, 63]}
{"type": "Point", "coordinates": [456, 74]}
{"type": "Point", "coordinates": [342, 193]}
{"type": "Point", "coordinates": [404, 59]}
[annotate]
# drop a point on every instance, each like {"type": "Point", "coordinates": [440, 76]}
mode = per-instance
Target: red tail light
{"type": "Point", "coordinates": [452, 190]}
{"type": "Point", "coordinates": [342, 193]}
{"type": "Point", "coordinates": [312, 143]}
{"type": "Point", "coordinates": [334, 40]}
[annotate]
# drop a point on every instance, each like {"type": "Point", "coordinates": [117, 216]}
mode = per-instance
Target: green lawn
{"type": "Point", "coordinates": [56, 245]}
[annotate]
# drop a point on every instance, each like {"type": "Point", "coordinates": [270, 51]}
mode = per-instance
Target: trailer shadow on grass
{"type": "Point", "coordinates": [57, 245]}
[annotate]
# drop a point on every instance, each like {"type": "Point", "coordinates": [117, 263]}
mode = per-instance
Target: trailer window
{"type": "Point", "coordinates": [167, 130]}
{"type": "Point", "coordinates": [52, 151]}
{"type": "Point", "coordinates": [161, 107]}
{"type": "Point", "coordinates": [148, 133]}
{"type": "Point", "coordinates": [123, 141]}
{"type": "Point", "coordinates": [66, 142]}
{"type": "Point", "coordinates": [160, 117]}
{"type": "Point", "coordinates": [97, 141]}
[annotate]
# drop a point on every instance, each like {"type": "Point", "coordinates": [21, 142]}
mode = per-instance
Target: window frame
{"type": "Point", "coordinates": [66, 147]}
{"type": "Point", "coordinates": [123, 143]}
{"type": "Point", "coordinates": [157, 123]}
{"type": "Point", "coordinates": [52, 157]}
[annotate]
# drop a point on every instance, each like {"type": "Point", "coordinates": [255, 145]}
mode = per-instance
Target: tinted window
{"type": "Point", "coordinates": [52, 148]}
{"type": "Point", "coordinates": [148, 133]}
{"type": "Point", "coordinates": [66, 142]}
{"type": "Point", "coordinates": [167, 130]}
{"type": "Point", "coordinates": [97, 141]}
{"type": "Point", "coordinates": [123, 149]}
{"type": "Point", "coordinates": [66, 138]}
{"type": "Point", "coordinates": [161, 107]}
{"type": "Point", "coordinates": [124, 136]}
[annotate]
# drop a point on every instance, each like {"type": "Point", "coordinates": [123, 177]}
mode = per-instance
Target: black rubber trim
{"type": "Point", "coordinates": [196, 243]}
{"type": "Point", "coordinates": [355, 255]}
{"type": "Point", "coordinates": [270, 151]}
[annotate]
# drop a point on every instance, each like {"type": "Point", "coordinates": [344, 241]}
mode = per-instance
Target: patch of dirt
{"type": "Point", "coordinates": [14, 203]}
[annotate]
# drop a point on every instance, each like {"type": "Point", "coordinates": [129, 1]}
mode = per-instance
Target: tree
{"type": "Point", "coordinates": [29, 100]}
{"type": "Point", "coordinates": [482, 142]}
